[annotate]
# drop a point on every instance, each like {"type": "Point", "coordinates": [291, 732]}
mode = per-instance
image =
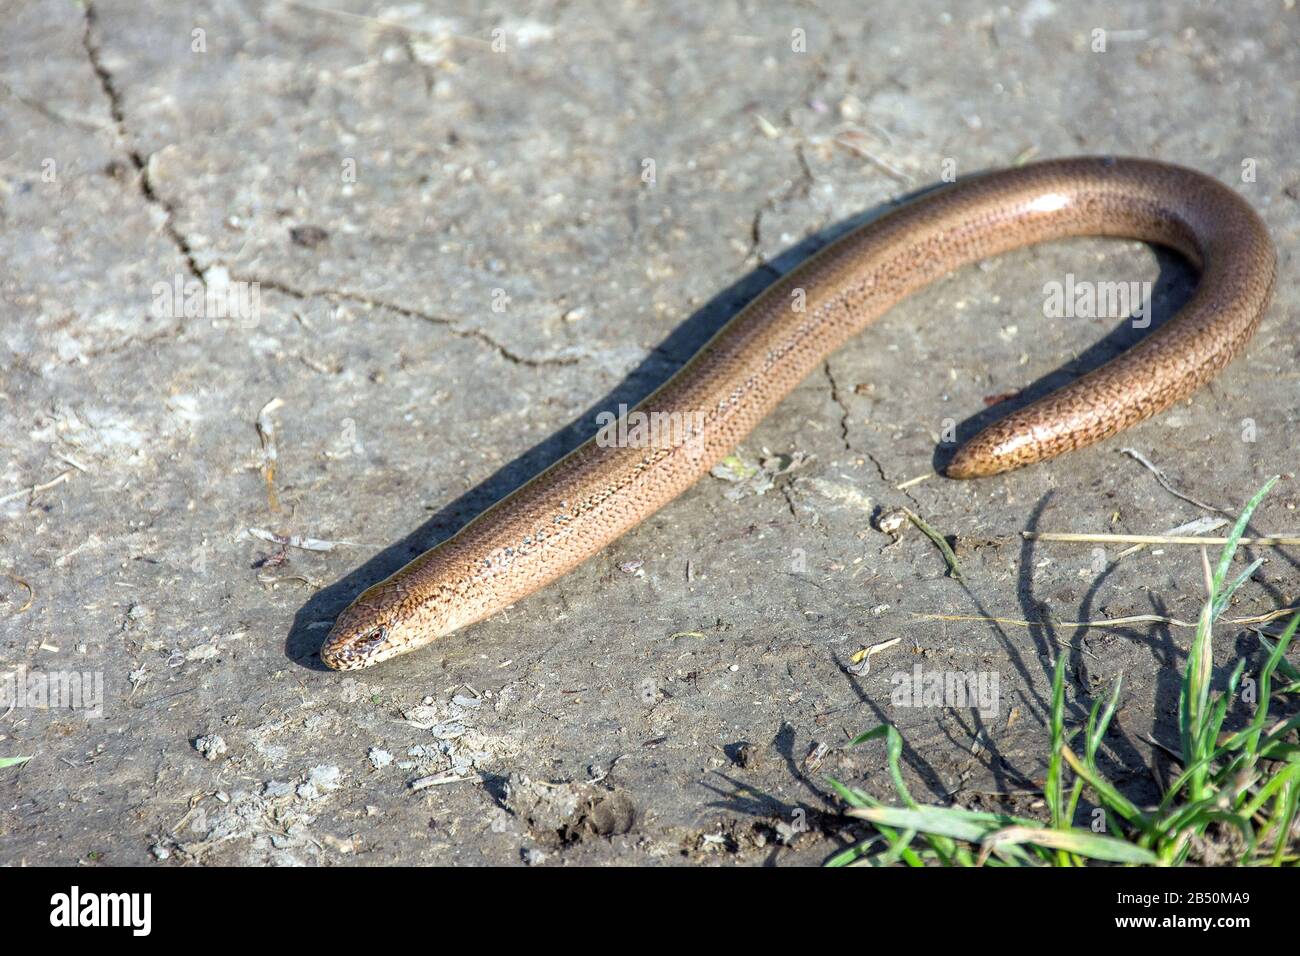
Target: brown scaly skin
{"type": "Point", "coordinates": [595, 494]}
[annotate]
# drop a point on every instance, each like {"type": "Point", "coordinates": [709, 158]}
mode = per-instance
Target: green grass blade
{"type": "Point", "coordinates": [1194, 697]}
{"type": "Point", "coordinates": [1052, 785]}
{"type": "Point", "coordinates": [1223, 597]}
{"type": "Point", "coordinates": [1270, 788]}
{"type": "Point", "coordinates": [936, 821]}
{"type": "Point", "coordinates": [847, 856]}
{"type": "Point", "coordinates": [1219, 712]}
{"type": "Point", "coordinates": [1284, 667]}
{"type": "Point", "coordinates": [1097, 726]}
{"type": "Point", "coordinates": [1112, 798]}
{"type": "Point", "coordinates": [1230, 547]}
{"type": "Point", "coordinates": [857, 799]}
{"type": "Point", "coordinates": [854, 798]}
{"type": "Point", "coordinates": [1093, 846]}
{"type": "Point", "coordinates": [1284, 819]}
{"type": "Point", "coordinates": [1266, 682]}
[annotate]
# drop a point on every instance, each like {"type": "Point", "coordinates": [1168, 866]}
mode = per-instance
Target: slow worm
{"type": "Point", "coordinates": [605, 487]}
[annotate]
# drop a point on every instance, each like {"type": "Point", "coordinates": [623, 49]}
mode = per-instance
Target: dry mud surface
{"type": "Point", "coordinates": [460, 257]}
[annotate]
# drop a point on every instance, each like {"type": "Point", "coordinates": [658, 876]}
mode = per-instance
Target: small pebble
{"type": "Point", "coordinates": [211, 746]}
{"type": "Point", "coordinates": [309, 237]}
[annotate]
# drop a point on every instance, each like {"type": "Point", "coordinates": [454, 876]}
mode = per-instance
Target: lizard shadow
{"type": "Point", "coordinates": [1173, 287]}
{"type": "Point", "coordinates": [302, 644]}
{"type": "Point", "coordinates": [306, 634]}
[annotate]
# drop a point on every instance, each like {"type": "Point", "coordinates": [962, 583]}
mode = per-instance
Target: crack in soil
{"type": "Point", "coordinates": [800, 189]}
{"type": "Point", "coordinates": [844, 409]}
{"type": "Point", "coordinates": [880, 471]}
{"type": "Point", "coordinates": [151, 195]}
{"type": "Point", "coordinates": [147, 190]}
{"type": "Point", "coordinates": [407, 312]}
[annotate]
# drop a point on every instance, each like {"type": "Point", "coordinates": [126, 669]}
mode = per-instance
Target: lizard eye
{"type": "Point", "coordinates": [372, 639]}
{"type": "Point", "coordinates": [347, 651]}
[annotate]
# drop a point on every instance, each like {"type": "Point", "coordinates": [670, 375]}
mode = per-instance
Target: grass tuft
{"type": "Point", "coordinates": [1235, 800]}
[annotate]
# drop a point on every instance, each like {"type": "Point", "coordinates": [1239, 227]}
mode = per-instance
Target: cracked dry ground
{"type": "Point", "coordinates": [459, 263]}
